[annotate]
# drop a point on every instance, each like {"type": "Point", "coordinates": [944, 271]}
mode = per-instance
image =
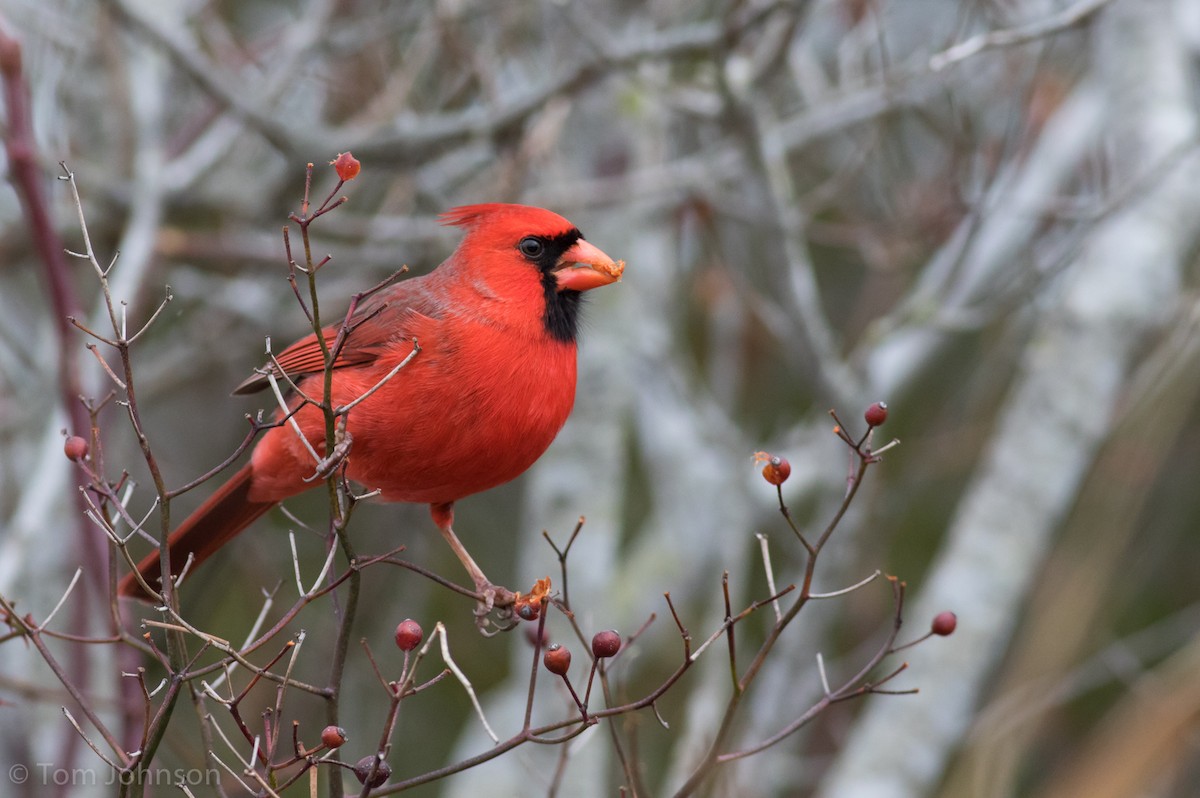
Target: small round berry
{"type": "Point", "coordinates": [409, 635]}
{"type": "Point", "coordinates": [606, 644]}
{"type": "Point", "coordinates": [528, 610]}
{"type": "Point", "coordinates": [531, 634]}
{"type": "Point", "coordinates": [75, 448]}
{"type": "Point", "coordinates": [876, 414]}
{"type": "Point", "coordinates": [777, 470]}
{"type": "Point", "coordinates": [557, 659]}
{"type": "Point", "coordinates": [346, 166]}
{"type": "Point", "coordinates": [333, 736]}
{"type": "Point", "coordinates": [362, 770]}
{"type": "Point", "coordinates": [944, 623]}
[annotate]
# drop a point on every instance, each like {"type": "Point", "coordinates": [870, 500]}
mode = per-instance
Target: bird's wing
{"type": "Point", "coordinates": [381, 320]}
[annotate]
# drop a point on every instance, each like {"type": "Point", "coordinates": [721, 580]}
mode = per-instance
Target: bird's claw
{"type": "Point", "coordinates": [328, 465]}
{"type": "Point", "coordinates": [494, 609]}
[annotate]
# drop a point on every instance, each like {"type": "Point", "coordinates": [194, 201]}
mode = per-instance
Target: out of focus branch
{"type": "Point", "coordinates": [1056, 416]}
{"type": "Point", "coordinates": [433, 134]}
{"type": "Point", "coordinates": [27, 180]}
{"type": "Point", "coordinates": [209, 76]}
{"type": "Point", "coordinates": [1050, 25]}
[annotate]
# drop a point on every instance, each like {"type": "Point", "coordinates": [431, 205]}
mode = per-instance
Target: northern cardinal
{"type": "Point", "coordinates": [491, 385]}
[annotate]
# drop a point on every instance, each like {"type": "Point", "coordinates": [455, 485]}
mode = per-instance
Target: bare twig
{"type": "Point", "coordinates": [1069, 17]}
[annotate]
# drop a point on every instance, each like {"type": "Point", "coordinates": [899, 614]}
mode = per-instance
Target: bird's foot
{"type": "Point", "coordinates": [494, 608]}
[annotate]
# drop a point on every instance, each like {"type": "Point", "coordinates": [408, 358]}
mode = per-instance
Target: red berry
{"type": "Point", "coordinates": [776, 469]}
{"type": "Point", "coordinates": [346, 166]}
{"type": "Point", "coordinates": [528, 608]}
{"type": "Point", "coordinates": [876, 414]}
{"type": "Point", "coordinates": [944, 623]}
{"type": "Point", "coordinates": [75, 448]}
{"type": "Point", "coordinates": [362, 770]}
{"type": "Point", "coordinates": [531, 634]}
{"type": "Point", "coordinates": [606, 644]}
{"type": "Point", "coordinates": [333, 736]}
{"type": "Point", "coordinates": [409, 635]}
{"type": "Point", "coordinates": [557, 659]}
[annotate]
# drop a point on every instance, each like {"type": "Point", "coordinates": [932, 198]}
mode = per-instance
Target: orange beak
{"type": "Point", "coordinates": [584, 267]}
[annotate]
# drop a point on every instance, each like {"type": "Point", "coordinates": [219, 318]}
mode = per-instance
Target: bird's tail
{"type": "Point", "coordinates": [214, 523]}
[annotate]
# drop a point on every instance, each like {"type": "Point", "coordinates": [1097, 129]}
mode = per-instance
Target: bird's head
{"type": "Point", "coordinates": [516, 242]}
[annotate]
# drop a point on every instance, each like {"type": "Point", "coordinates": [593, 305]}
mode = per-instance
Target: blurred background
{"type": "Point", "coordinates": [984, 212]}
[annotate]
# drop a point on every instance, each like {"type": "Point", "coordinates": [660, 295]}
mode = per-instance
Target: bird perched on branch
{"type": "Point", "coordinates": [491, 336]}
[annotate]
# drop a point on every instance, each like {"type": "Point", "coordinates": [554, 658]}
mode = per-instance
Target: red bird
{"type": "Point", "coordinates": [491, 384]}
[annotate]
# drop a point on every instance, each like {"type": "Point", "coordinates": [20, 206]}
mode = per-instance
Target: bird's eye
{"type": "Point", "coordinates": [531, 247]}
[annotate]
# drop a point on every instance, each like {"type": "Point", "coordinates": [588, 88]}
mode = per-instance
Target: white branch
{"type": "Point", "coordinates": [1054, 420]}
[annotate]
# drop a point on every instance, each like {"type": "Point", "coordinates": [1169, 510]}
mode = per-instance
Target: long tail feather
{"type": "Point", "coordinates": [214, 523]}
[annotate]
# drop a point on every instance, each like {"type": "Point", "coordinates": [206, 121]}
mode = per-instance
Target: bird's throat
{"type": "Point", "coordinates": [561, 317]}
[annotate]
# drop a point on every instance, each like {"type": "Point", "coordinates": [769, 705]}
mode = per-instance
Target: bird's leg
{"type": "Point", "coordinates": [490, 595]}
{"type": "Point", "coordinates": [483, 585]}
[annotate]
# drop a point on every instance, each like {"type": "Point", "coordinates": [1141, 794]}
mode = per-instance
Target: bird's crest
{"type": "Point", "coordinates": [525, 217]}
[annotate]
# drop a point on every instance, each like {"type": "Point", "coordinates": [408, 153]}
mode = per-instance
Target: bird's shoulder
{"type": "Point", "coordinates": [403, 311]}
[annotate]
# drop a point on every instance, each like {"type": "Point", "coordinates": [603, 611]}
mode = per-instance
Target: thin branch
{"type": "Point", "coordinates": [153, 317]}
{"type": "Point", "coordinates": [67, 592]}
{"type": "Point", "coordinates": [31, 633]}
{"type": "Point", "coordinates": [341, 411]}
{"type": "Point", "coordinates": [1064, 20]}
{"type": "Point", "coordinates": [291, 420]}
{"type": "Point", "coordinates": [850, 589]}
{"type": "Point", "coordinates": [439, 632]}
{"type": "Point", "coordinates": [67, 713]}
{"type": "Point", "coordinates": [765, 550]}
